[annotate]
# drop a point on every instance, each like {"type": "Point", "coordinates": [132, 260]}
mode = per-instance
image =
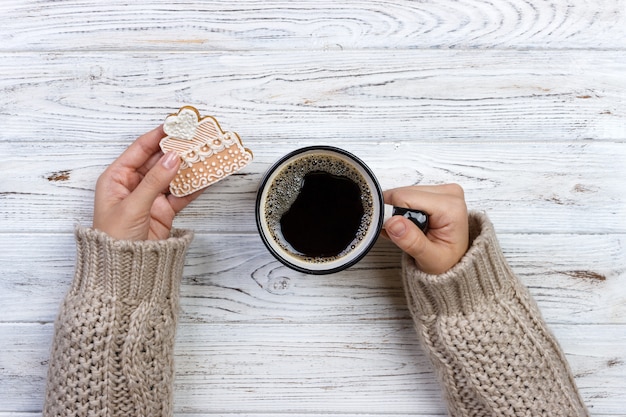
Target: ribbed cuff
{"type": "Point", "coordinates": [481, 275]}
{"type": "Point", "coordinates": [126, 270]}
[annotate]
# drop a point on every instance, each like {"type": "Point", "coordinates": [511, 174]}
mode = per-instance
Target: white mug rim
{"type": "Point", "coordinates": [349, 259]}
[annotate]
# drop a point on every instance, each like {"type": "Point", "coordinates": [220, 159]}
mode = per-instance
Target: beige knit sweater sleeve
{"type": "Point", "coordinates": [485, 336]}
{"type": "Point", "coordinates": [112, 348]}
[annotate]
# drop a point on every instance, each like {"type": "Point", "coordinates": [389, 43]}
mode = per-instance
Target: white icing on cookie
{"type": "Point", "coordinates": [182, 125]}
{"type": "Point", "coordinates": [208, 155]}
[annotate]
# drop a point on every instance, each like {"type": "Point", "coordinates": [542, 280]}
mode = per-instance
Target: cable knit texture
{"type": "Point", "coordinates": [486, 338]}
{"type": "Point", "coordinates": [114, 336]}
{"type": "Point", "coordinates": [113, 345]}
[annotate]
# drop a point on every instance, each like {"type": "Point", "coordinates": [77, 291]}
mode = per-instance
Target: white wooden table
{"type": "Point", "coordinates": [523, 103]}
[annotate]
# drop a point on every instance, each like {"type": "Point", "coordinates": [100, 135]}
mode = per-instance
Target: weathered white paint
{"type": "Point", "coordinates": [311, 24]}
{"type": "Point", "coordinates": [353, 95]}
{"type": "Point", "coordinates": [522, 103]}
{"type": "Point", "coordinates": [536, 187]}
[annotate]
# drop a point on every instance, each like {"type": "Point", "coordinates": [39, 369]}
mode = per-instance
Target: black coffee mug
{"type": "Point", "coordinates": [320, 209]}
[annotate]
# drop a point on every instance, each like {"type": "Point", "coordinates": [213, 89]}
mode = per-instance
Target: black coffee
{"type": "Point", "coordinates": [325, 217]}
{"type": "Point", "coordinates": [319, 207]}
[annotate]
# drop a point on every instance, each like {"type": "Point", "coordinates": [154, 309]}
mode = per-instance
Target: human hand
{"type": "Point", "coordinates": [447, 238]}
{"type": "Point", "coordinates": [132, 199]}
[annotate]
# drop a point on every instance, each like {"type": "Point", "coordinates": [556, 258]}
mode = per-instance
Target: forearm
{"type": "Point", "coordinates": [114, 336]}
{"type": "Point", "coordinates": [486, 338]}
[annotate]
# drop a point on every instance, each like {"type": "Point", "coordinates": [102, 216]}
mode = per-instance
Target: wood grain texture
{"type": "Point", "coordinates": [528, 188]}
{"type": "Point", "coordinates": [311, 24]}
{"type": "Point", "coordinates": [523, 103]}
{"type": "Point", "coordinates": [320, 96]}
{"type": "Point", "coordinates": [293, 368]}
{"type": "Point", "coordinates": [233, 279]}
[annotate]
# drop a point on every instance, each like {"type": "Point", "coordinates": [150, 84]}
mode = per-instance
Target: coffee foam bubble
{"type": "Point", "coordinates": [286, 185]}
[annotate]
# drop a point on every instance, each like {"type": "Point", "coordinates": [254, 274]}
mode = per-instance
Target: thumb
{"type": "Point", "coordinates": [408, 237]}
{"type": "Point", "coordinates": [156, 180]}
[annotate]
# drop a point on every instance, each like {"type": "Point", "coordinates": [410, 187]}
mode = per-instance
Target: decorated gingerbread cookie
{"type": "Point", "coordinates": [208, 153]}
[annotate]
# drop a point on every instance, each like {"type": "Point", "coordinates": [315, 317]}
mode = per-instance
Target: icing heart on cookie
{"type": "Point", "coordinates": [208, 153]}
{"type": "Point", "coordinates": [182, 125]}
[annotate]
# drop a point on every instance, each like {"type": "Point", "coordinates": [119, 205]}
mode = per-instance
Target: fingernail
{"type": "Point", "coordinates": [396, 228]}
{"type": "Point", "coordinates": [170, 160]}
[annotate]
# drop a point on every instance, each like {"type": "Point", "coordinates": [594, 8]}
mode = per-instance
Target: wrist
{"type": "Point", "coordinates": [141, 270]}
{"type": "Point", "coordinates": [481, 275]}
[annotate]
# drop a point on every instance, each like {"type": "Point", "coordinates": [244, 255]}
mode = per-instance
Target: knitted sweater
{"type": "Point", "coordinates": [112, 352]}
{"type": "Point", "coordinates": [113, 345]}
{"type": "Point", "coordinates": [486, 338]}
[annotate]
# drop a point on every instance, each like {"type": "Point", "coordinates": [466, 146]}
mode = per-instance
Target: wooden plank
{"type": "Point", "coordinates": [232, 278]}
{"type": "Point", "coordinates": [521, 103]}
{"type": "Point", "coordinates": [525, 188]}
{"type": "Point", "coordinates": [374, 368]}
{"type": "Point", "coordinates": [312, 24]}
{"type": "Point", "coordinates": [346, 96]}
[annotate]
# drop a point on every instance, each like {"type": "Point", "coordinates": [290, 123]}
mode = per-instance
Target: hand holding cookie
{"type": "Point", "coordinates": [447, 238]}
{"type": "Point", "coordinates": [132, 200]}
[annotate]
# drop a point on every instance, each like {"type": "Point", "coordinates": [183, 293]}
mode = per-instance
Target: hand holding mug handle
{"type": "Point", "coordinates": [445, 241]}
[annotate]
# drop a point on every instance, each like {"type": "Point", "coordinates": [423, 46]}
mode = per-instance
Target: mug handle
{"type": "Point", "coordinates": [417, 217]}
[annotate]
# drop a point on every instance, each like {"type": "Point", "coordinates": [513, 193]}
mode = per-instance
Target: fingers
{"type": "Point", "coordinates": [447, 238]}
{"type": "Point", "coordinates": [155, 182]}
{"type": "Point", "coordinates": [151, 162]}
{"type": "Point", "coordinates": [410, 239]}
{"type": "Point", "coordinates": [179, 203]}
{"type": "Point", "coordinates": [429, 198]}
{"type": "Point", "coordinates": [141, 150]}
